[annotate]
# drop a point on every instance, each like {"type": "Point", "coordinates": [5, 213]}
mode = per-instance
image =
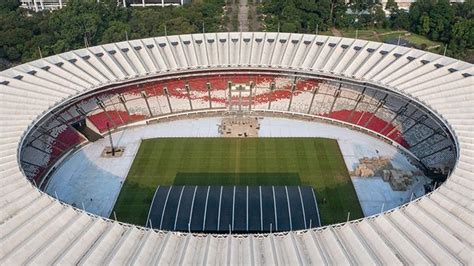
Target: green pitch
{"type": "Point", "coordinates": [312, 162]}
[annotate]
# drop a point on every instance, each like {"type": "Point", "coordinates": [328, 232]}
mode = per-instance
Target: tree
{"type": "Point", "coordinates": [391, 6]}
{"type": "Point", "coordinates": [12, 53]}
{"type": "Point", "coordinates": [80, 23]}
{"type": "Point", "coordinates": [441, 17]}
{"type": "Point", "coordinates": [291, 15]}
{"type": "Point", "coordinates": [400, 20]}
{"type": "Point", "coordinates": [302, 15]}
{"type": "Point", "coordinates": [340, 16]}
{"type": "Point", "coordinates": [361, 5]}
{"type": "Point", "coordinates": [180, 26]}
{"type": "Point", "coordinates": [116, 32]}
{"type": "Point", "coordinates": [379, 18]}
{"type": "Point", "coordinates": [465, 10]}
{"type": "Point", "coordinates": [9, 5]}
{"type": "Point", "coordinates": [289, 27]}
{"type": "Point", "coordinates": [463, 33]}
{"type": "Point", "coordinates": [424, 26]}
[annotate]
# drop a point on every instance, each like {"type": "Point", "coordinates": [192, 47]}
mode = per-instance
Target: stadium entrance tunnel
{"type": "Point", "coordinates": [402, 121]}
{"type": "Point", "coordinates": [87, 129]}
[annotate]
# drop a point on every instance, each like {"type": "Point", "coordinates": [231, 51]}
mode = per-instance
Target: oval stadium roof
{"type": "Point", "coordinates": [435, 229]}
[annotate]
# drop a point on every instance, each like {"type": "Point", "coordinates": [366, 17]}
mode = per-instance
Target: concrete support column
{"type": "Point", "coordinates": [270, 95]}
{"type": "Point", "coordinates": [240, 101]}
{"type": "Point", "coordinates": [315, 91]}
{"type": "Point", "coordinates": [165, 89]}
{"type": "Point", "coordinates": [229, 97]}
{"type": "Point", "coordinates": [293, 89]}
{"type": "Point", "coordinates": [209, 94]}
{"type": "Point", "coordinates": [186, 86]}
{"type": "Point", "coordinates": [123, 101]}
{"type": "Point", "coordinates": [102, 106]}
{"type": "Point", "coordinates": [251, 101]}
{"type": "Point", "coordinates": [336, 95]}
{"type": "Point", "coordinates": [145, 96]}
{"type": "Point", "coordinates": [360, 98]}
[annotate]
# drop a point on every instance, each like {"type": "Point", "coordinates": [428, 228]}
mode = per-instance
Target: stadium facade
{"type": "Point", "coordinates": [417, 101]}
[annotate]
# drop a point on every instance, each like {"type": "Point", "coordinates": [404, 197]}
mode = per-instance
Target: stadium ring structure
{"type": "Point", "coordinates": [41, 100]}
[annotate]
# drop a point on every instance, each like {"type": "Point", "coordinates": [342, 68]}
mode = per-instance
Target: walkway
{"type": "Point", "coordinates": [243, 15]}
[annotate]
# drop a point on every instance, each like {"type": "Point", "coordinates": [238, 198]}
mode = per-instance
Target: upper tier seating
{"type": "Point", "coordinates": [343, 102]}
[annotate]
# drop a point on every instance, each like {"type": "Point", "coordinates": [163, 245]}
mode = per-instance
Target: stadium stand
{"type": "Point", "coordinates": [394, 91]}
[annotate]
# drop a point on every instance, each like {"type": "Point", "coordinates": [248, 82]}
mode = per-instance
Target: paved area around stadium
{"type": "Point", "coordinates": [86, 179]}
{"type": "Point", "coordinates": [233, 208]}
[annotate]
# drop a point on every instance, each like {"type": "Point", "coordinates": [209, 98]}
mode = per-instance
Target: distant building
{"type": "Point", "coordinates": [402, 4]}
{"type": "Point", "coordinates": [158, 2]}
{"type": "Point", "coordinates": [40, 5]}
{"type": "Point", "coordinates": [405, 4]}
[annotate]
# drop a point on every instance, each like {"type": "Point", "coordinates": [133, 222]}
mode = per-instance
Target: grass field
{"type": "Point", "coordinates": [387, 34]}
{"type": "Point", "coordinates": [314, 162]}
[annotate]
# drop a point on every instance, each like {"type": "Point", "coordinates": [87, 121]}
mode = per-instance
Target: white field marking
{"type": "Point", "coordinates": [205, 209]}
{"type": "Point", "coordinates": [164, 207]}
{"type": "Point", "coordinates": [317, 209]}
{"type": "Point", "coordinates": [177, 210]}
{"type": "Point", "coordinates": [192, 206]}
{"type": "Point", "coordinates": [233, 210]}
{"type": "Point", "coordinates": [247, 209]}
{"type": "Point", "coordinates": [151, 206]}
{"type": "Point", "coordinates": [261, 211]}
{"type": "Point", "coordinates": [219, 213]}
{"type": "Point", "coordinates": [275, 208]}
{"type": "Point", "coordinates": [289, 208]}
{"type": "Point", "coordinates": [302, 206]}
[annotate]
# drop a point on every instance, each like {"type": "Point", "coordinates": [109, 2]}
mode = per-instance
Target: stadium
{"type": "Point", "coordinates": [238, 148]}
